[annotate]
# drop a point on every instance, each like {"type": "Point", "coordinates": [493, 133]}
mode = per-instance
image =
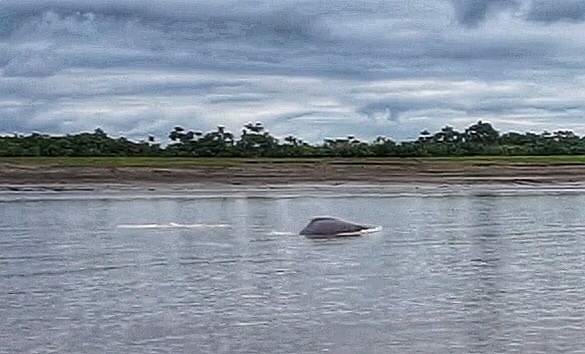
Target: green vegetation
{"type": "Point", "coordinates": [478, 140]}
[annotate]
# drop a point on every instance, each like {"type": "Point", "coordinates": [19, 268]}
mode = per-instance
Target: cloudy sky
{"type": "Point", "coordinates": [311, 68]}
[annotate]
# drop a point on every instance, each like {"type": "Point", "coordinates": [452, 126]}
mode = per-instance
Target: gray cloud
{"type": "Point", "coordinates": [312, 68]}
{"type": "Point", "coordinates": [472, 12]}
{"type": "Point", "coordinates": [553, 11]}
{"type": "Point", "coordinates": [306, 38]}
{"type": "Point", "coordinates": [114, 34]}
{"type": "Point", "coordinates": [199, 20]}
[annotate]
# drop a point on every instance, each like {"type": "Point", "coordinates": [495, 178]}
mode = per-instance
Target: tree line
{"type": "Point", "coordinates": [255, 141]}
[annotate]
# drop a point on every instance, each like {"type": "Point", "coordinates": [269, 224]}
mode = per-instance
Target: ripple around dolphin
{"type": "Point", "coordinates": [346, 234]}
{"type": "Point", "coordinates": [370, 230]}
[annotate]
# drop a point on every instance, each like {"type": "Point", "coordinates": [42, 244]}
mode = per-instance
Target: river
{"type": "Point", "coordinates": [465, 270]}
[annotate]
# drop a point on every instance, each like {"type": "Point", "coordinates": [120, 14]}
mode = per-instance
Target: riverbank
{"type": "Point", "coordinates": [22, 172]}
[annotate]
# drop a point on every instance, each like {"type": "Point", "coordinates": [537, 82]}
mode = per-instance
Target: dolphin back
{"type": "Point", "coordinates": [328, 226]}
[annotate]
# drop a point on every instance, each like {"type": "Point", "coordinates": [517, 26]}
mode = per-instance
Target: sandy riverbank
{"type": "Point", "coordinates": [285, 173]}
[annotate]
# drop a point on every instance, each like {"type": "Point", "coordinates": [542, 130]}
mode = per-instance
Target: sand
{"type": "Point", "coordinates": [13, 176]}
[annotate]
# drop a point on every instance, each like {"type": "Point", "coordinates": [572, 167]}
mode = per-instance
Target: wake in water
{"type": "Point", "coordinates": [361, 232]}
{"type": "Point", "coordinates": [171, 225]}
{"type": "Point", "coordinates": [282, 233]}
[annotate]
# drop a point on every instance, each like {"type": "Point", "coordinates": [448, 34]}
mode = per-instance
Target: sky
{"type": "Point", "coordinates": [315, 69]}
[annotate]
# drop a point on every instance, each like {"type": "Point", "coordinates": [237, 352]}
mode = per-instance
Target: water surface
{"type": "Point", "coordinates": [202, 272]}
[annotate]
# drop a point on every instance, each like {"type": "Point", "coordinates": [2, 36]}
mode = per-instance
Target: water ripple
{"type": "Point", "coordinates": [459, 272]}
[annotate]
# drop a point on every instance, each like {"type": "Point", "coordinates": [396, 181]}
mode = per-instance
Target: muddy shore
{"type": "Point", "coordinates": [15, 175]}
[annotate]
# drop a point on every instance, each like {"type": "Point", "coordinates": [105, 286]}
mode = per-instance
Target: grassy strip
{"type": "Point", "coordinates": [170, 162]}
{"type": "Point", "coordinates": [152, 162]}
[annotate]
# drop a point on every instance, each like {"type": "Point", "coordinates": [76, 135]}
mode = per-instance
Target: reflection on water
{"type": "Point", "coordinates": [474, 273]}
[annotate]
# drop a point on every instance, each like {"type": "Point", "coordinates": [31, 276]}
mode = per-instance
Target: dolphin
{"type": "Point", "coordinates": [332, 227]}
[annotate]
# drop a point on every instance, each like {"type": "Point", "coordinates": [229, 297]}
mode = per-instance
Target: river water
{"type": "Point", "coordinates": [466, 270]}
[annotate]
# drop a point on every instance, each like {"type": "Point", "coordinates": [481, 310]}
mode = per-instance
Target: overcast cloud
{"type": "Point", "coordinates": [313, 68]}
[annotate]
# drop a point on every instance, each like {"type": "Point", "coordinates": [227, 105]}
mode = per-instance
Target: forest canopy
{"type": "Point", "coordinates": [480, 138]}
